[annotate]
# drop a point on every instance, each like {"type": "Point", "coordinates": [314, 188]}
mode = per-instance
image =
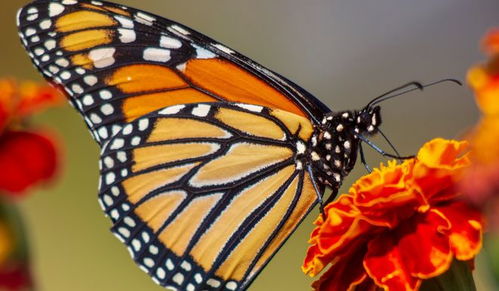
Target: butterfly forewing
{"type": "Point", "coordinates": [201, 200]}
{"type": "Point", "coordinates": [119, 63]}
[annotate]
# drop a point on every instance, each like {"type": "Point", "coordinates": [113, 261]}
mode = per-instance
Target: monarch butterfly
{"type": "Point", "coordinates": [209, 161]}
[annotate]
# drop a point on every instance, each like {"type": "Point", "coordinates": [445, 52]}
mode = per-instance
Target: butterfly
{"type": "Point", "coordinates": [209, 161]}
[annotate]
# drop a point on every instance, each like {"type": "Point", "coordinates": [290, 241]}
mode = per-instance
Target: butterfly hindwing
{"type": "Point", "coordinates": [204, 194]}
{"type": "Point", "coordinates": [117, 64]}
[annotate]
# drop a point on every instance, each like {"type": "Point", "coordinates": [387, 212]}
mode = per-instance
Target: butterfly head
{"type": "Point", "coordinates": [335, 142]}
{"type": "Point", "coordinates": [368, 120]}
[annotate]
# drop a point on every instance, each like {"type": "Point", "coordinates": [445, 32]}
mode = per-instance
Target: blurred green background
{"type": "Point", "coordinates": [345, 52]}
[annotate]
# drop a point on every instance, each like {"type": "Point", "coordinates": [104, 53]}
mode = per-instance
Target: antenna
{"type": "Point", "coordinates": [417, 85]}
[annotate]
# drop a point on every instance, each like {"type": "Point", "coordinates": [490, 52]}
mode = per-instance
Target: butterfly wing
{"type": "Point", "coordinates": [117, 64]}
{"type": "Point", "coordinates": [204, 194]}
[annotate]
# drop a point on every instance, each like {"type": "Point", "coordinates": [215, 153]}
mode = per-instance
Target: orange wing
{"type": "Point", "coordinates": [204, 194]}
{"type": "Point", "coordinates": [117, 64]}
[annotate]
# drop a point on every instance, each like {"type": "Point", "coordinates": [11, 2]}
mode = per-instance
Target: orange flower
{"type": "Point", "coordinates": [481, 182]}
{"type": "Point", "coordinates": [397, 226]}
{"type": "Point", "coordinates": [27, 156]}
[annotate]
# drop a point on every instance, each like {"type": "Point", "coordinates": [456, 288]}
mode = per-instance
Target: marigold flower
{"type": "Point", "coordinates": [481, 182]}
{"type": "Point", "coordinates": [397, 226]}
{"type": "Point", "coordinates": [27, 156]}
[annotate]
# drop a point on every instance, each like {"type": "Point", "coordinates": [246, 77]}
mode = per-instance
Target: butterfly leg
{"type": "Point", "coordinates": [382, 152]}
{"type": "Point", "coordinates": [316, 188]}
{"type": "Point", "coordinates": [363, 159]}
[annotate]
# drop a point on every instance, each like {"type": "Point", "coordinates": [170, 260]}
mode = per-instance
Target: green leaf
{"type": "Point", "coordinates": [457, 278]}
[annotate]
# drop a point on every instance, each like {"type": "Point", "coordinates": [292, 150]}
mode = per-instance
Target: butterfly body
{"type": "Point", "coordinates": [209, 161]}
{"type": "Point", "coordinates": [334, 146]}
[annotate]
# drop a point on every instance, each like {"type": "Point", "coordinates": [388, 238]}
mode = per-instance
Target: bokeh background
{"type": "Point", "coordinates": [345, 52]}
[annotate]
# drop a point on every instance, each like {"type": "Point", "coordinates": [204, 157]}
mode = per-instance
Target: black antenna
{"type": "Point", "coordinates": [418, 85]}
{"type": "Point", "coordinates": [414, 83]}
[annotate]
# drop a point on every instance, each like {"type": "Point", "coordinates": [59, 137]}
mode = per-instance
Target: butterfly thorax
{"type": "Point", "coordinates": [334, 145]}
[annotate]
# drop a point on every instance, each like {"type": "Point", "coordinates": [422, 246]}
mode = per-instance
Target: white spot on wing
{"type": "Point", "coordinates": [202, 53]}
{"type": "Point", "coordinates": [169, 42]}
{"type": "Point", "coordinates": [129, 221]}
{"type": "Point", "coordinates": [136, 244]}
{"type": "Point", "coordinates": [160, 272]}
{"type": "Point", "coordinates": [198, 278]}
{"type": "Point", "coordinates": [300, 147]}
{"type": "Point", "coordinates": [105, 94]}
{"type": "Point", "coordinates": [201, 110]}
{"type": "Point", "coordinates": [127, 35]}
{"type": "Point", "coordinates": [156, 54]}
{"type": "Point", "coordinates": [231, 285]}
{"type": "Point", "coordinates": [31, 17]}
{"type": "Point", "coordinates": [107, 109]}
{"type": "Point", "coordinates": [125, 22]}
{"type": "Point", "coordinates": [55, 9]}
{"type": "Point", "coordinates": [143, 124]}
{"type": "Point", "coordinates": [95, 118]}
{"type": "Point", "coordinates": [213, 283]}
{"type": "Point", "coordinates": [171, 110]}
{"type": "Point", "coordinates": [178, 278]}
{"type": "Point", "coordinates": [50, 44]}
{"type": "Point", "coordinates": [29, 31]}
{"type": "Point", "coordinates": [223, 48]}
{"type": "Point", "coordinates": [102, 57]}
{"type": "Point", "coordinates": [169, 264]}
{"type": "Point", "coordinates": [62, 62]}
{"type": "Point", "coordinates": [181, 67]}
{"type": "Point", "coordinates": [90, 80]}
{"type": "Point", "coordinates": [46, 24]}
{"type": "Point", "coordinates": [143, 18]}
{"type": "Point", "coordinates": [127, 129]}
{"type": "Point", "coordinates": [186, 266]}
{"type": "Point", "coordinates": [117, 143]}
{"type": "Point", "coordinates": [110, 178]}
{"type": "Point", "coordinates": [124, 232]}
{"type": "Point", "coordinates": [178, 29]}
{"type": "Point", "coordinates": [250, 107]}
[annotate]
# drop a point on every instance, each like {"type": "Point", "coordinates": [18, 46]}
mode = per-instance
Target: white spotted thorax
{"type": "Point", "coordinates": [334, 145]}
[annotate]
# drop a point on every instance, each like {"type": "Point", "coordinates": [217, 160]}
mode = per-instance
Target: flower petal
{"type": "Point", "coordinates": [35, 97]}
{"type": "Point", "coordinates": [384, 196]}
{"type": "Point", "coordinates": [466, 229]}
{"type": "Point", "coordinates": [334, 237]}
{"type": "Point", "coordinates": [491, 41]}
{"type": "Point", "coordinates": [440, 163]}
{"type": "Point", "coordinates": [26, 158]}
{"type": "Point", "coordinates": [345, 274]}
{"type": "Point", "coordinates": [419, 249]}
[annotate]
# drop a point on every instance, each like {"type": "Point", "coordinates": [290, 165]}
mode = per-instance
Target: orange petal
{"type": "Point", "coordinates": [440, 153]}
{"type": "Point", "coordinates": [484, 139]}
{"type": "Point", "coordinates": [334, 237]}
{"type": "Point", "coordinates": [466, 229]}
{"type": "Point", "coordinates": [384, 197]}
{"type": "Point", "coordinates": [417, 250]}
{"type": "Point", "coordinates": [345, 274]}
{"type": "Point", "coordinates": [439, 164]}
{"type": "Point", "coordinates": [35, 97]}
{"type": "Point", "coordinates": [486, 87]}
{"type": "Point", "coordinates": [490, 42]}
